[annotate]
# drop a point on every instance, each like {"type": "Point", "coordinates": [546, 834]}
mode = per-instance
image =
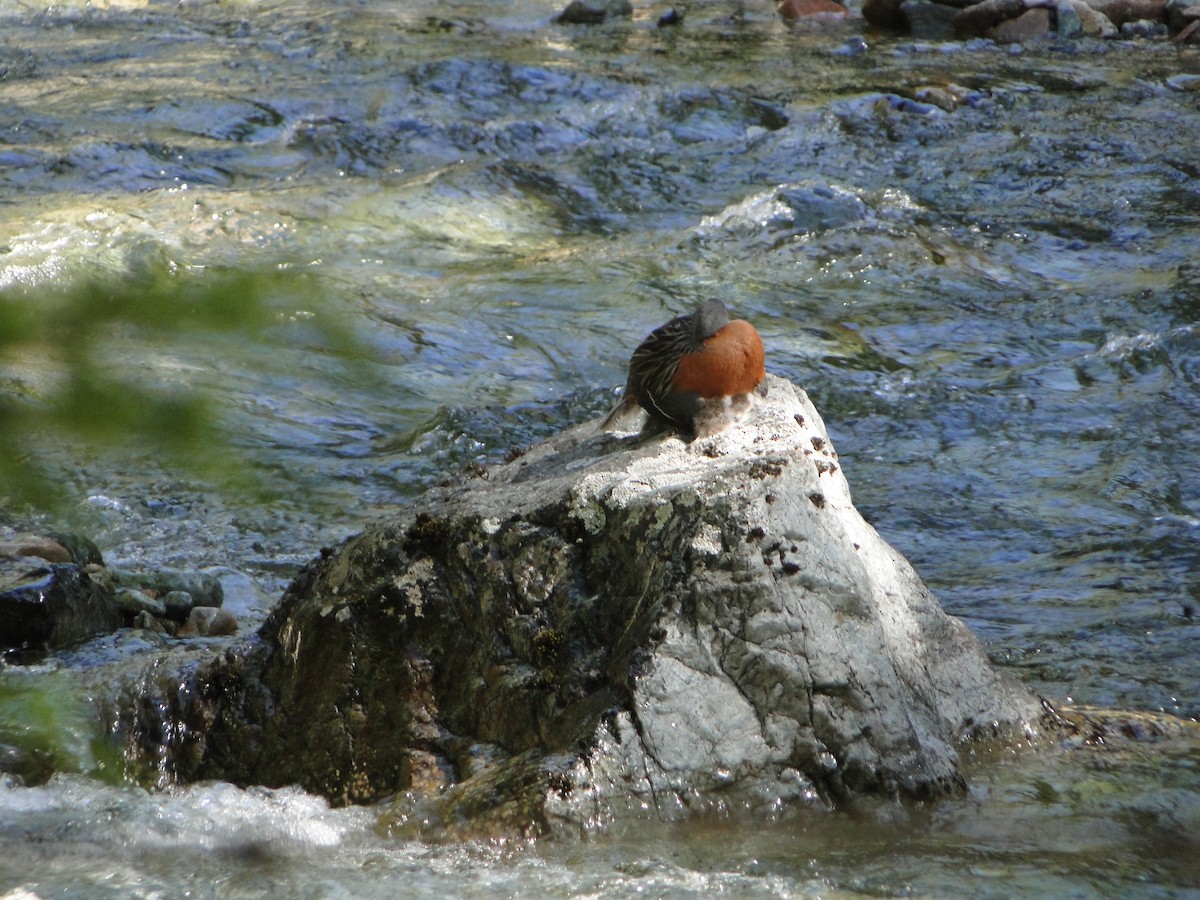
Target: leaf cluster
{"type": "Point", "coordinates": [67, 376]}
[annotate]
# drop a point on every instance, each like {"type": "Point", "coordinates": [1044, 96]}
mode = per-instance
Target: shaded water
{"type": "Point", "coordinates": [981, 264]}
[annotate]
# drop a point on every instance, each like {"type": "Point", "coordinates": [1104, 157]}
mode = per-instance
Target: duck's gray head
{"type": "Point", "coordinates": [709, 318]}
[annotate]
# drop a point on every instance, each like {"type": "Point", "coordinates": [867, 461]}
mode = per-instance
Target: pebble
{"type": "Point", "coordinates": [208, 621]}
{"type": "Point", "coordinates": [132, 601]}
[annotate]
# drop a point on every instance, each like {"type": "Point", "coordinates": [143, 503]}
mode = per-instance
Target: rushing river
{"type": "Point", "coordinates": [982, 263]}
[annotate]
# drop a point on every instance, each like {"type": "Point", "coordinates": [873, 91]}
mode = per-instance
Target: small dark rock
{"type": "Point", "coordinates": [178, 604]}
{"type": "Point", "coordinates": [671, 17]}
{"type": "Point", "coordinates": [594, 12]}
{"type": "Point", "coordinates": [55, 607]}
{"type": "Point", "coordinates": [884, 13]}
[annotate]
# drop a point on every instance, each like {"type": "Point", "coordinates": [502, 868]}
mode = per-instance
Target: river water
{"type": "Point", "coordinates": [982, 263]}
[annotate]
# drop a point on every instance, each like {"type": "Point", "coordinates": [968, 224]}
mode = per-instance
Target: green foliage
{"type": "Point", "coordinates": [59, 382]}
{"type": "Point", "coordinates": [47, 725]}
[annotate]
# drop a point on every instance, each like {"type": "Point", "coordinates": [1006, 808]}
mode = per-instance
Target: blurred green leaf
{"type": "Point", "coordinates": [58, 383]}
{"type": "Point", "coordinates": [47, 725]}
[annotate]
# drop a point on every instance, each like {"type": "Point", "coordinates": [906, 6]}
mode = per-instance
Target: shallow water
{"type": "Point", "coordinates": [981, 264]}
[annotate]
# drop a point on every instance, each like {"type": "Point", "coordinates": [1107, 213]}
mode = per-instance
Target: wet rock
{"type": "Point", "coordinates": [594, 12]}
{"type": "Point", "coordinates": [52, 607]}
{"type": "Point", "coordinates": [1029, 26]}
{"type": "Point", "coordinates": [812, 9]}
{"type": "Point", "coordinates": [1190, 34]}
{"type": "Point", "coordinates": [178, 604]}
{"type": "Point", "coordinates": [783, 213]}
{"type": "Point", "coordinates": [634, 627]}
{"type": "Point", "coordinates": [208, 621]}
{"type": "Point", "coordinates": [928, 20]}
{"type": "Point", "coordinates": [884, 13]}
{"type": "Point", "coordinates": [1121, 11]}
{"type": "Point", "coordinates": [979, 19]}
{"type": "Point", "coordinates": [1181, 13]}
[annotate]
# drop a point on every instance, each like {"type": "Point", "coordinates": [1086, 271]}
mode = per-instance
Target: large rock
{"type": "Point", "coordinates": [607, 627]}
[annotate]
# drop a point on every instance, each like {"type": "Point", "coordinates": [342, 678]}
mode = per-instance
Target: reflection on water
{"type": "Point", "coordinates": [993, 298]}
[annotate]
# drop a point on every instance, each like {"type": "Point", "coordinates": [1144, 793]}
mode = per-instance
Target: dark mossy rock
{"type": "Point", "coordinates": [608, 627]}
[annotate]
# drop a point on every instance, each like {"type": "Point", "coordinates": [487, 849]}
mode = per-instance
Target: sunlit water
{"type": "Point", "coordinates": [995, 305]}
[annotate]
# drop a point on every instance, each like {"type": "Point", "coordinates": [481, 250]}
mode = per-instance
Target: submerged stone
{"type": "Point", "coordinates": [625, 628]}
